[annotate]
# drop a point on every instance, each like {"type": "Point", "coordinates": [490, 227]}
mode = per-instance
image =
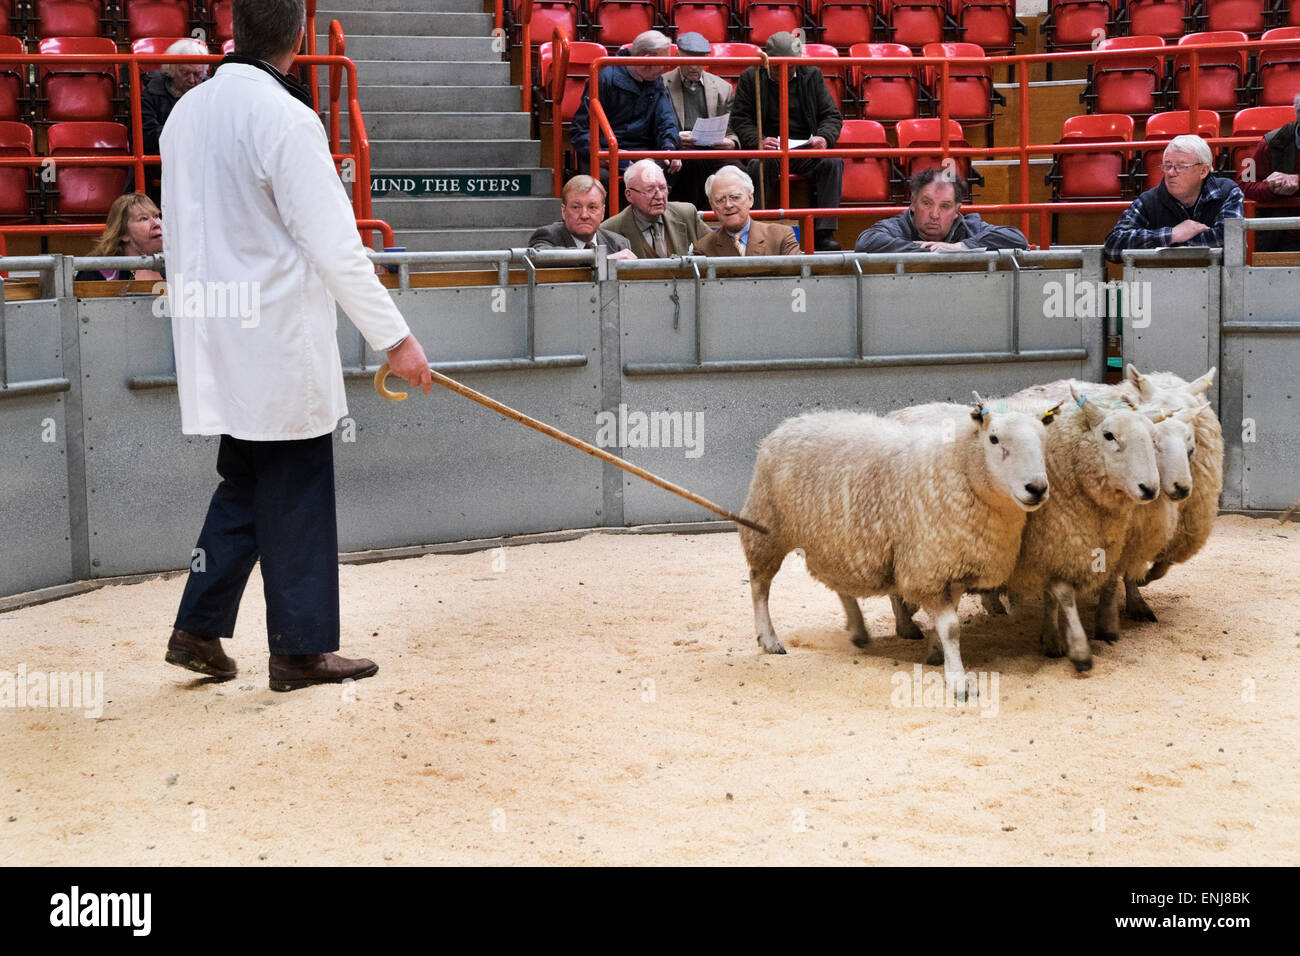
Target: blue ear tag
{"type": "Point", "coordinates": [1082, 399]}
{"type": "Point", "coordinates": [983, 412]}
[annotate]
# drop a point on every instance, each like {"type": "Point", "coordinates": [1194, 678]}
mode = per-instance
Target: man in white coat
{"type": "Point", "coordinates": [260, 242]}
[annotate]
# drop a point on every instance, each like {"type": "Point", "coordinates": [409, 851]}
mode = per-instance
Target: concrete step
{"type": "Point", "coordinates": [435, 99]}
{"type": "Point", "coordinates": [540, 177]}
{"type": "Point", "coordinates": [457, 240]}
{"type": "Point", "coordinates": [463, 213]}
{"type": "Point", "coordinates": [453, 126]}
{"type": "Point", "coordinates": [403, 23]}
{"type": "Point", "coordinates": [430, 73]}
{"type": "Point", "coordinates": [437, 154]}
{"type": "Point", "coordinates": [405, 47]}
{"type": "Point", "coordinates": [333, 8]}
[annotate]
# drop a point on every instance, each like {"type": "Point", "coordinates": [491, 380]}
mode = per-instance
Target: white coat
{"type": "Point", "coordinates": [260, 240]}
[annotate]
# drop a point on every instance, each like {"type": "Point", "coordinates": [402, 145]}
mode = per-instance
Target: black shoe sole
{"type": "Point", "coordinates": [198, 665]}
{"type": "Point", "coordinates": [301, 682]}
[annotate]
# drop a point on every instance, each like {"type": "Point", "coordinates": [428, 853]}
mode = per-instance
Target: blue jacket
{"type": "Point", "coordinates": [640, 114]}
{"type": "Point", "coordinates": [898, 234]}
{"type": "Point", "coordinates": [1149, 222]}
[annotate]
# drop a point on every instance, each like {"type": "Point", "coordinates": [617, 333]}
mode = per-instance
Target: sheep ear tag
{"type": "Point", "coordinates": [980, 411]}
{"type": "Point", "coordinates": [1049, 416]}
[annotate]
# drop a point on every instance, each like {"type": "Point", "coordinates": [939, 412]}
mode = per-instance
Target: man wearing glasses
{"type": "Point", "coordinates": [731, 194]}
{"type": "Point", "coordinates": [655, 227]}
{"type": "Point", "coordinates": [1186, 209]}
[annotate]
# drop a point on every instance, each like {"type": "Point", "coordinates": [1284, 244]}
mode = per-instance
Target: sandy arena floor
{"type": "Point", "coordinates": [604, 701]}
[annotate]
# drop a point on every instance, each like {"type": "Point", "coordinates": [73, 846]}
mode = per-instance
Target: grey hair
{"type": "Point", "coordinates": [1295, 104]}
{"type": "Point", "coordinates": [649, 43]}
{"type": "Point", "coordinates": [268, 29]}
{"type": "Point", "coordinates": [183, 47]}
{"type": "Point", "coordinates": [1192, 144]}
{"type": "Point", "coordinates": [638, 171]}
{"type": "Point", "coordinates": [733, 171]}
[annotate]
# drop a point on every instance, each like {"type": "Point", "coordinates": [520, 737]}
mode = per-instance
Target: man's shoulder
{"type": "Point", "coordinates": [717, 82]}
{"type": "Point", "coordinates": [681, 210]}
{"type": "Point", "coordinates": [619, 222]}
{"type": "Point", "coordinates": [709, 241]}
{"type": "Point", "coordinates": [550, 233]}
{"type": "Point", "coordinates": [769, 231]}
{"type": "Point", "coordinates": [614, 240]}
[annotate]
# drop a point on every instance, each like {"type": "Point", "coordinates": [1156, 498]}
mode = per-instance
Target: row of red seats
{"type": "Point", "coordinates": [1113, 174]}
{"type": "Point", "coordinates": [124, 20]}
{"type": "Point", "coordinates": [888, 92]}
{"type": "Point", "coordinates": [991, 24]}
{"type": "Point", "coordinates": [72, 91]}
{"type": "Point", "coordinates": [1229, 79]}
{"type": "Point", "coordinates": [1077, 24]}
{"type": "Point", "coordinates": [73, 193]}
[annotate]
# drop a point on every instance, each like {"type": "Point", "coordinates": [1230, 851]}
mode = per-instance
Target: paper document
{"type": "Point", "coordinates": [710, 129]}
{"type": "Point", "coordinates": [796, 143]}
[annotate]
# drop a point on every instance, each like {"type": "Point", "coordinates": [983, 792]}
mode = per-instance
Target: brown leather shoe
{"type": "Point", "coordinates": [295, 671]}
{"type": "Point", "coordinates": [199, 654]}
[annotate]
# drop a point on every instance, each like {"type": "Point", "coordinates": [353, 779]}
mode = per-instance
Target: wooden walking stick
{"type": "Point", "coordinates": [381, 387]}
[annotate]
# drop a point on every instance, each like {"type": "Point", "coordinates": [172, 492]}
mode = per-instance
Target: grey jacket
{"type": "Point", "coordinates": [556, 236]}
{"type": "Point", "coordinates": [899, 234]}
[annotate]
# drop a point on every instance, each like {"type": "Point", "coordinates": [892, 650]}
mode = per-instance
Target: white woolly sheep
{"type": "Point", "coordinates": [878, 506]}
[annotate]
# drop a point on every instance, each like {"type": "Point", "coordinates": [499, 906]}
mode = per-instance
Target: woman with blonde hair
{"type": "Point", "coordinates": [134, 228]}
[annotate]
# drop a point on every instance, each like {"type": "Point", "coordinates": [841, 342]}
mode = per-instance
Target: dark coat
{"type": "Point", "coordinates": [556, 236]}
{"type": "Point", "coordinates": [812, 111]}
{"type": "Point", "coordinates": [156, 102]}
{"type": "Point", "coordinates": [640, 114]}
{"type": "Point", "coordinates": [898, 234]}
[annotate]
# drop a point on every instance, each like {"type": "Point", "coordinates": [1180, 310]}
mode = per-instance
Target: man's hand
{"type": "Point", "coordinates": [408, 362]}
{"type": "Point", "coordinates": [770, 142]}
{"type": "Point", "coordinates": [943, 247]}
{"type": "Point", "coordinates": [817, 142]}
{"type": "Point", "coordinates": [674, 165]}
{"type": "Point", "coordinates": [1283, 184]}
{"type": "Point", "coordinates": [622, 254]}
{"type": "Point", "coordinates": [1188, 228]}
{"type": "Point", "coordinates": [725, 143]}
{"type": "Point", "coordinates": [687, 137]}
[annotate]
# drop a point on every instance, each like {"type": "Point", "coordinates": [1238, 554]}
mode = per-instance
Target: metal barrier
{"type": "Point", "coordinates": [1179, 289]}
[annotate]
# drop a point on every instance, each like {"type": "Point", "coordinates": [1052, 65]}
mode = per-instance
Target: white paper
{"type": "Point", "coordinates": [710, 129]}
{"type": "Point", "coordinates": [796, 143]}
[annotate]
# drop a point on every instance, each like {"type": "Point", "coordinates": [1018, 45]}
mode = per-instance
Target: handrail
{"type": "Point", "coordinates": [525, 18]}
{"type": "Point", "coordinates": [559, 73]}
{"type": "Point", "coordinates": [309, 40]}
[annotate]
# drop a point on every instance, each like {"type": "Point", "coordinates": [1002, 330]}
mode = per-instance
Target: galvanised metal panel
{"type": "Point", "coordinates": [1182, 336]}
{"type": "Point", "coordinates": [35, 550]}
{"type": "Point", "coordinates": [940, 312]}
{"type": "Point", "coordinates": [1271, 403]}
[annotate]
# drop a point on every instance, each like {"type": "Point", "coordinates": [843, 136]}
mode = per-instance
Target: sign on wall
{"type": "Point", "coordinates": [450, 184]}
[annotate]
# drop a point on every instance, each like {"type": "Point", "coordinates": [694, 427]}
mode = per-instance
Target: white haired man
{"type": "Point", "coordinates": [731, 193]}
{"type": "Point", "coordinates": [1269, 177]}
{"type": "Point", "coordinates": [655, 227]}
{"type": "Point", "coordinates": [166, 87]}
{"type": "Point", "coordinates": [1187, 208]}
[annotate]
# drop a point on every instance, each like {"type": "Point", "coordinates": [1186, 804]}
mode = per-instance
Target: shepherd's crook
{"type": "Point", "coordinates": [381, 387]}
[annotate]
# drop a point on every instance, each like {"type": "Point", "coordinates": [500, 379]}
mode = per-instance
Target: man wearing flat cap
{"type": "Point", "coordinates": [695, 94]}
{"type": "Point", "coordinates": [813, 117]}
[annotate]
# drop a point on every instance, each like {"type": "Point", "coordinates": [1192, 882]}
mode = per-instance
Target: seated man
{"type": "Point", "coordinates": [731, 193]}
{"type": "Point", "coordinates": [813, 117]}
{"type": "Point", "coordinates": [162, 92]}
{"type": "Point", "coordinates": [1186, 209]}
{"type": "Point", "coordinates": [582, 205]}
{"type": "Point", "coordinates": [697, 94]}
{"type": "Point", "coordinates": [636, 105]}
{"type": "Point", "coordinates": [655, 227]}
{"type": "Point", "coordinates": [934, 222]}
{"type": "Point", "coordinates": [1270, 176]}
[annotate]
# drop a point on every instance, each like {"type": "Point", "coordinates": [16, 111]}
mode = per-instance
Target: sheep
{"type": "Point", "coordinates": [878, 506]}
{"type": "Point", "coordinates": [1101, 463]}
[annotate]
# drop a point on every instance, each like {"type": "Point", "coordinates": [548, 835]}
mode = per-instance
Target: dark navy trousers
{"type": "Point", "coordinates": [275, 503]}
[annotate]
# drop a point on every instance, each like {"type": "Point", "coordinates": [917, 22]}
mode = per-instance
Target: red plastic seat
{"type": "Point", "coordinates": [1255, 122]}
{"type": "Point", "coordinates": [157, 18]}
{"type": "Point", "coordinates": [1278, 72]}
{"type": "Point", "coordinates": [1160, 18]}
{"type": "Point", "coordinates": [13, 81]}
{"type": "Point", "coordinates": [1073, 24]}
{"type": "Point", "coordinates": [614, 22]}
{"type": "Point", "coordinates": [990, 24]}
{"type": "Point", "coordinates": [914, 23]}
{"type": "Point", "coordinates": [228, 46]}
{"type": "Point", "coordinates": [762, 18]}
{"type": "Point", "coordinates": [1089, 174]}
{"type": "Point", "coordinates": [888, 92]}
{"type": "Point", "coordinates": [834, 75]}
{"type": "Point", "coordinates": [923, 133]}
{"type": "Point", "coordinates": [1248, 16]}
{"type": "Point", "coordinates": [153, 45]}
{"type": "Point", "coordinates": [709, 18]}
{"type": "Point", "coordinates": [87, 192]}
{"type": "Point", "coordinates": [1127, 84]}
{"type": "Point", "coordinates": [223, 25]}
{"type": "Point", "coordinates": [69, 18]}
{"type": "Point", "coordinates": [731, 49]}
{"type": "Point", "coordinates": [844, 22]}
{"type": "Point", "coordinates": [581, 56]}
{"type": "Point", "coordinates": [1165, 126]}
{"type": "Point", "coordinates": [80, 92]}
{"type": "Point", "coordinates": [970, 84]}
{"type": "Point", "coordinates": [1222, 73]}
{"type": "Point", "coordinates": [16, 139]}
{"type": "Point", "coordinates": [7, 17]}
{"type": "Point", "coordinates": [866, 180]}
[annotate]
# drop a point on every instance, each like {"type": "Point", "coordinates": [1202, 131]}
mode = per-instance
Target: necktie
{"type": "Point", "coordinates": [589, 245]}
{"type": "Point", "coordinates": [657, 231]}
{"type": "Point", "coordinates": [740, 245]}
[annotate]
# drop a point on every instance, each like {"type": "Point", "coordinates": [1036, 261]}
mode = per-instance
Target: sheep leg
{"type": "Point", "coordinates": [1075, 638]}
{"type": "Point", "coordinates": [1107, 623]}
{"type": "Point", "coordinates": [947, 628]}
{"type": "Point", "coordinates": [904, 626]}
{"type": "Point", "coordinates": [992, 601]}
{"type": "Point", "coordinates": [1135, 605]}
{"type": "Point", "coordinates": [857, 626]}
{"type": "Point", "coordinates": [759, 585]}
{"type": "Point", "coordinates": [1158, 571]}
{"type": "Point", "coordinates": [1053, 645]}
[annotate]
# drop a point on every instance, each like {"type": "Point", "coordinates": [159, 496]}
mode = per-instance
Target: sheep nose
{"type": "Point", "coordinates": [1036, 490]}
{"type": "Point", "coordinates": [1147, 493]}
{"type": "Point", "coordinates": [1180, 492]}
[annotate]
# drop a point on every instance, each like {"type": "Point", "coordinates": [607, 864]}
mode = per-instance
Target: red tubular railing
{"type": "Point", "coordinates": [559, 73]}
{"type": "Point", "coordinates": [1023, 149]}
{"type": "Point", "coordinates": [309, 40]}
{"type": "Point", "coordinates": [525, 15]}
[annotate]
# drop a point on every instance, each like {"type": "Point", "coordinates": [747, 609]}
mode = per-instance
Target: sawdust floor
{"type": "Point", "coordinates": [604, 701]}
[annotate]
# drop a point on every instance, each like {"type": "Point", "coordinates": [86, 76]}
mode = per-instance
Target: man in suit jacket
{"type": "Point", "coordinates": [731, 193]}
{"type": "Point", "coordinates": [582, 204]}
{"type": "Point", "coordinates": [695, 94]}
{"type": "Point", "coordinates": [655, 227]}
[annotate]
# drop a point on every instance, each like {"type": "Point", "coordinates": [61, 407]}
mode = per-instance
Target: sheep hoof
{"type": "Point", "coordinates": [774, 648]}
{"type": "Point", "coordinates": [935, 657]}
{"type": "Point", "coordinates": [1054, 651]}
{"type": "Point", "coordinates": [1110, 637]}
{"type": "Point", "coordinates": [1141, 614]}
{"type": "Point", "coordinates": [1081, 666]}
{"type": "Point", "coordinates": [861, 640]}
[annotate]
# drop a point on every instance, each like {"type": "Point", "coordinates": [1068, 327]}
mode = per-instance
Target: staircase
{"type": "Point", "coordinates": [439, 109]}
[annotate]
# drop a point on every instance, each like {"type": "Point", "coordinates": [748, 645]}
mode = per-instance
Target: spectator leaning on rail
{"type": "Point", "coordinates": [582, 204]}
{"type": "Point", "coordinates": [697, 94]}
{"type": "Point", "coordinates": [731, 193]}
{"type": "Point", "coordinates": [655, 227]}
{"type": "Point", "coordinates": [636, 105]}
{"type": "Point", "coordinates": [934, 222]}
{"type": "Point", "coordinates": [261, 244]}
{"type": "Point", "coordinates": [813, 117]}
{"type": "Point", "coordinates": [134, 228]}
{"type": "Point", "coordinates": [1270, 176]}
{"type": "Point", "coordinates": [1187, 208]}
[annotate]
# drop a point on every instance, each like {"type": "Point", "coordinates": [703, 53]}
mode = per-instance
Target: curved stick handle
{"type": "Point", "coordinates": [381, 385]}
